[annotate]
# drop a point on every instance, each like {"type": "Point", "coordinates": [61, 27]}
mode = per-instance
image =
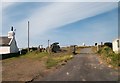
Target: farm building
{"type": "Point", "coordinates": [116, 45]}
{"type": "Point", "coordinates": [8, 43]}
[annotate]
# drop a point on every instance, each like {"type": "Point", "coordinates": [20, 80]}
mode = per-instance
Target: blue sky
{"type": "Point", "coordinates": [65, 22]}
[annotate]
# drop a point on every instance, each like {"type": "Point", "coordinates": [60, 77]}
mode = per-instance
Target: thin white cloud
{"type": "Point", "coordinates": [59, 14]}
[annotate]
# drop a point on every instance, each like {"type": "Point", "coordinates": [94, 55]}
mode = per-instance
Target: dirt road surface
{"type": "Point", "coordinates": [86, 66]}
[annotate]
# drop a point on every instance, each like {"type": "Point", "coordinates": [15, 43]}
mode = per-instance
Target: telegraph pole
{"type": "Point", "coordinates": [28, 35]}
{"type": "Point", "coordinates": [48, 46]}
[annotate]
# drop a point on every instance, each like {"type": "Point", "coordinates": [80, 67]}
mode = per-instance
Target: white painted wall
{"type": "Point", "coordinates": [116, 46]}
{"type": "Point", "coordinates": [4, 50]}
{"type": "Point", "coordinates": [13, 46]}
{"type": "Point", "coordinates": [9, 49]}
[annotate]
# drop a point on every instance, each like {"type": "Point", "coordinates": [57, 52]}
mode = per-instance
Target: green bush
{"type": "Point", "coordinates": [115, 59]}
{"type": "Point", "coordinates": [110, 57]}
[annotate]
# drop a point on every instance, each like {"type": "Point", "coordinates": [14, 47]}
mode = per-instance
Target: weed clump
{"type": "Point", "coordinates": [109, 56]}
{"type": "Point", "coordinates": [55, 60]}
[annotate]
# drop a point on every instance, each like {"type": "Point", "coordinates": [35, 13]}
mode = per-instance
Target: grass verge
{"type": "Point", "coordinates": [50, 59]}
{"type": "Point", "coordinates": [35, 55]}
{"type": "Point", "coordinates": [109, 56]}
{"type": "Point", "coordinates": [55, 60]}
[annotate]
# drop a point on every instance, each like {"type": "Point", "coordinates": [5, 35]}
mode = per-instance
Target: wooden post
{"type": "Point", "coordinates": [97, 48]}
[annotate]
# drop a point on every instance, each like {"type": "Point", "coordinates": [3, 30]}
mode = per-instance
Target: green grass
{"type": "Point", "coordinates": [94, 49]}
{"type": "Point", "coordinates": [32, 55]}
{"type": "Point", "coordinates": [35, 55]}
{"type": "Point", "coordinates": [55, 60]}
{"type": "Point", "coordinates": [114, 59]}
{"type": "Point", "coordinates": [109, 56]}
{"type": "Point", "coordinates": [50, 60]}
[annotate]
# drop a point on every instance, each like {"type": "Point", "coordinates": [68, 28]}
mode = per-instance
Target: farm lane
{"type": "Point", "coordinates": [83, 67]}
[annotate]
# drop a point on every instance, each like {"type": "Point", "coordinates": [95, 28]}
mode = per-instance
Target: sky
{"type": "Point", "coordinates": [69, 23]}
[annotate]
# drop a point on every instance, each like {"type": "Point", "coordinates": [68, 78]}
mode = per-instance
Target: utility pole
{"type": "Point", "coordinates": [28, 35]}
{"type": "Point", "coordinates": [48, 46]}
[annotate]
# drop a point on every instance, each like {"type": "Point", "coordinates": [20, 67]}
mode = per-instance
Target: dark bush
{"type": "Point", "coordinates": [24, 51]}
{"type": "Point", "coordinates": [109, 44]}
{"type": "Point", "coordinates": [55, 47]}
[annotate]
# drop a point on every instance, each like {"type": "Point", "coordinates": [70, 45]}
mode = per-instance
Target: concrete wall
{"type": "Point", "coordinates": [4, 50]}
{"type": "Point", "coordinates": [116, 46]}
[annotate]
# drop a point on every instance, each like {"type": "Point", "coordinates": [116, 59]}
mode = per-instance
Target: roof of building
{"type": "Point", "coordinates": [4, 41]}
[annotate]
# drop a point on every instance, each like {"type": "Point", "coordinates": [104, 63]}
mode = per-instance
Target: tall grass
{"type": "Point", "coordinates": [109, 56]}
{"type": "Point", "coordinates": [34, 55]}
{"type": "Point", "coordinates": [49, 59]}
{"type": "Point", "coordinates": [55, 60]}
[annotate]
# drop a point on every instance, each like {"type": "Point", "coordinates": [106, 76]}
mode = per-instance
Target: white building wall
{"type": "Point", "coordinates": [116, 47]}
{"type": "Point", "coordinates": [4, 50]}
{"type": "Point", "coordinates": [13, 46]}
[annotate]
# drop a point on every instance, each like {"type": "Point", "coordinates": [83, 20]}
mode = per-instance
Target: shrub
{"type": "Point", "coordinates": [114, 59]}
{"type": "Point", "coordinates": [110, 57]}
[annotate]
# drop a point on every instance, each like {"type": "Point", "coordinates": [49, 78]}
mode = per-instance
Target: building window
{"type": "Point", "coordinates": [118, 43]}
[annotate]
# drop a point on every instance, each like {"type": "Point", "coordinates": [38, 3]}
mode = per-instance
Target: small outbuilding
{"type": "Point", "coordinates": [116, 45]}
{"type": "Point", "coordinates": [8, 43]}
